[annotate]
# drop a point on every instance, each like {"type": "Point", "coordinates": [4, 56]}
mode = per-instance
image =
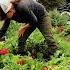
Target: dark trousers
{"type": "Point", "coordinates": [44, 25]}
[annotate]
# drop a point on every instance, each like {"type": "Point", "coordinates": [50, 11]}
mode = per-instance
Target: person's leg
{"type": "Point", "coordinates": [45, 26]}
{"type": "Point", "coordinates": [22, 40]}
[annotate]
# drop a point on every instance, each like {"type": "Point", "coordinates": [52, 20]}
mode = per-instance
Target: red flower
{"type": "Point", "coordinates": [20, 61]}
{"type": "Point", "coordinates": [4, 51]}
{"type": "Point", "coordinates": [44, 68]}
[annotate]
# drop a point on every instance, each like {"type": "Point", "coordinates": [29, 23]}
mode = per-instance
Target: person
{"type": "Point", "coordinates": [34, 15]}
{"type": "Point", "coordinates": [8, 8]}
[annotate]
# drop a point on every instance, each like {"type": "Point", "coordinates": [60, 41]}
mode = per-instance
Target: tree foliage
{"type": "Point", "coordinates": [50, 4]}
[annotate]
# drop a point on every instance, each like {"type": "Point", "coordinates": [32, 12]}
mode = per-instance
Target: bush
{"type": "Point", "coordinates": [67, 30]}
{"type": "Point", "coordinates": [57, 19]}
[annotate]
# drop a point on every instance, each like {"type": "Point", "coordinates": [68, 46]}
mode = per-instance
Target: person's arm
{"type": "Point", "coordinates": [4, 27]}
{"type": "Point", "coordinates": [30, 17]}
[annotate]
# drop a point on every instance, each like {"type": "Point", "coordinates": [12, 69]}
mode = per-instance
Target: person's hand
{"type": "Point", "coordinates": [21, 32]}
{"type": "Point", "coordinates": [23, 29]}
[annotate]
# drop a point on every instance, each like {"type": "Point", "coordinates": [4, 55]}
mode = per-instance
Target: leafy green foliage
{"type": "Point", "coordinates": [51, 4]}
{"type": "Point", "coordinates": [11, 35]}
{"type": "Point", "coordinates": [57, 19]}
{"type": "Point", "coordinates": [67, 30]}
{"type": "Point", "coordinates": [59, 61]}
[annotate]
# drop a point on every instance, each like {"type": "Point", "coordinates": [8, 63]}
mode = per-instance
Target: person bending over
{"type": "Point", "coordinates": [34, 15]}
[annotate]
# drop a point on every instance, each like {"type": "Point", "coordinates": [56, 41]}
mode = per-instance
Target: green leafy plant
{"type": "Point", "coordinates": [57, 19]}
{"type": "Point", "coordinates": [67, 30]}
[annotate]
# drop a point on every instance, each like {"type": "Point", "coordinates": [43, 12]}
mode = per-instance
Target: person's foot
{"type": "Point", "coordinates": [20, 51]}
